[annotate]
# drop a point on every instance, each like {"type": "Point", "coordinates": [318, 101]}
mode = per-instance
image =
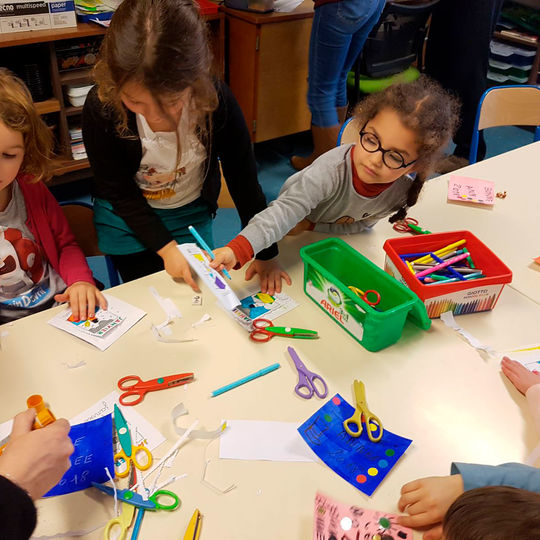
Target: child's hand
{"type": "Point", "coordinates": [426, 501]}
{"type": "Point", "coordinates": [304, 225]}
{"type": "Point", "coordinates": [224, 258]}
{"type": "Point", "coordinates": [176, 265]}
{"type": "Point", "coordinates": [270, 275]}
{"type": "Point", "coordinates": [519, 375]}
{"type": "Point", "coordinates": [82, 298]}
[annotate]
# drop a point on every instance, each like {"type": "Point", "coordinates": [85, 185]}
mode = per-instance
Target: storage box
{"type": "Point", "coordinates": [510, 54]}
{"type": "Point", "coordinates": [20, 16]}
{"type": "Point", "coordinates": [460, 297]}
{"type": "Point", "coordinates": [331, 266]}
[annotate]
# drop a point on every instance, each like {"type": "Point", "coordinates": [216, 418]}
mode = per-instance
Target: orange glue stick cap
{"type": "Point", "coordinates": [44, 416]}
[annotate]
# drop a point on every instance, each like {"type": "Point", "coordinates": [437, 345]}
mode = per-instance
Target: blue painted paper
{"type": "Point", "coordinates": [93, 442]}
{"type": "Point", "coordinates": [361, 462]}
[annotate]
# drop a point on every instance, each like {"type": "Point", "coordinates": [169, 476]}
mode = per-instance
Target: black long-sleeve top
{"type": "Point", "coordinates": [115, 161]}
{"type": "Point", "coordinates": [17, 512]}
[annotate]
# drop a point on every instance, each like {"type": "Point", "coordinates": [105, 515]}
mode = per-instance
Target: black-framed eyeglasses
{"type": "Point", "coordinates": [391, 158]}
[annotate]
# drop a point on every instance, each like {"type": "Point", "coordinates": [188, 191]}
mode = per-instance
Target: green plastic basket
{"type": "Point", "coordinates": [331, 266]}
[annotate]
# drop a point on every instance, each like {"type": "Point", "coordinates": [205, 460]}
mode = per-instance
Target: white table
{"type": "Point", "coordinates": [430, 386]}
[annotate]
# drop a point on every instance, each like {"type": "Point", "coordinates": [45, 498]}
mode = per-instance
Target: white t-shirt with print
{"type": "Point", "coordinates": [164, 183]}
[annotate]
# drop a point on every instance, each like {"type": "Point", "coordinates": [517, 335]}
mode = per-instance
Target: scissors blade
{"type": "Point", "coordinates": [122, 430]}
{"type": "Point", "coordinates": [292, 332]}
{"type": "Point", "coordinates": [127, 496]}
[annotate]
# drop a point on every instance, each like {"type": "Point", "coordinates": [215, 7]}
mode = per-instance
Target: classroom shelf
{"type": "Point", "coordinates": [73, 111]}
{"type": "Point", "coordinates": [48, 106]}
{"type": "Point", "coordinates": [77, 76]}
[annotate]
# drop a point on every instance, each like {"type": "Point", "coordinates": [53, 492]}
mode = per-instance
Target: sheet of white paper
{"type": "Point", "coordinates": [527, 356]}
{"type": "Point", "coordinates": [259, 440]}
{"type": "Point", "coordinates": [114, 322]}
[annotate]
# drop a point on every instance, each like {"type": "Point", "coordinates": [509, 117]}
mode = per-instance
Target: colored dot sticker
{"type": "Point", "coordinates": [384, 523]}
{"type": "Point", "coordinates": [336, 400]}
{"type": "Point", "coordinates": [390, 452]}
{"type": "Point", "coordinates": [383, 463]}
{"type": "Point", "coordinates": [373, 427]}
{"type": "Point", "coordinates": [122, 431]}
{"type": "Point", "coordinates": [160, 380]}
{"type": "Point", "coordinates": [372, 471]}
{"type": "Point", "coordinates": [346, 523]}
{"type": "Point", "coordinates": [328, 417]}
{"type": "Point", "coordinates": [361, 479]}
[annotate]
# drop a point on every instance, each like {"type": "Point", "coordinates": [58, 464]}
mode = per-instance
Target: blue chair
{"type": "Point", "coordinates": [513, 105]}
{"type": "Point", "coordinates": [80, 216]}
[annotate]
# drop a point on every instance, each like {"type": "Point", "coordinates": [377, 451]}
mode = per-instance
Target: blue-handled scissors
{"type": "Point", "coordinates": [306, 379]}
{"type": "Point", "coordinates": [152, 503]}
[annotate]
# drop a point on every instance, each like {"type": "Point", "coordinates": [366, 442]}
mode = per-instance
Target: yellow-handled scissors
{"type": "Point", "coordinates": [128, 453]}
{"type": "Point", "coordinates": [363, 414]}
{"type": "Point", "coordinates": [123, 521]}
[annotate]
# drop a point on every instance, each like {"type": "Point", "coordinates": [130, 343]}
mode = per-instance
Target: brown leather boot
{"type": "Point", "coordinates": [324, 139]}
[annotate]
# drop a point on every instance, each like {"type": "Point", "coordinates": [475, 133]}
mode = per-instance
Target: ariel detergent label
{"type": "Point", "coordinates": [335, 303]}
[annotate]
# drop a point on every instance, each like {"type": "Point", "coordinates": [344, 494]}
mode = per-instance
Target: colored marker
{"type": "Point", "coordinates": [418, 229]}
{"type": "Point", "coordinates": [440, 252]}
{"type": "Point", "coordinates": [206, 247]}
{"type": "Point", "coordinates": [442, 265]}
{"type": "Point", "coordinates": [244, 380]}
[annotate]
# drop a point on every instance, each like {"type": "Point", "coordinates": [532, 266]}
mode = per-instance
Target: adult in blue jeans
{"type": "Point", "coordinates": [339, 31]}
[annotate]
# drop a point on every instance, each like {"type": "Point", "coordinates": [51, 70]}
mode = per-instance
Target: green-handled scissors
{"type": "Point", "coordinates": [264, 330]}
{"type": "Point", "coordinates": [363, 414]}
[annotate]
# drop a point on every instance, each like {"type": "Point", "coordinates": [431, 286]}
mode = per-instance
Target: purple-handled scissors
{"type": "Point", "coordinates": [306, 379]}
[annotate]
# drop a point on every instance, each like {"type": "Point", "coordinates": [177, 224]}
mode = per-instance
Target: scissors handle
{"type": "Point", "coordinates": [373, 424]}
{"type": "Point", "coordinates": [372, 302]}
{"type": "Point", "coordinates": [261, 335]}
{"type": "Point", "coordinates": [135, 452]}
{"type": "Point", "coordinates": [125, 384]}
{"type": "Point", "coordinates": [261, 324]}
{"type": "Point", "coordinates": [107, 533]}
{"type": "Point", "coordinates": [125, 398]}
{"type": "Point", "coordinates": [356, 421]}
{"type": "Point", "coordinates": [165, 493]}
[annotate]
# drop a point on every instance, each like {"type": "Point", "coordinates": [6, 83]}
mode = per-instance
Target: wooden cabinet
{"type": "Point", "coordinates": [268, 69]}
{"type": "Point", "coordinates": [60, 113]}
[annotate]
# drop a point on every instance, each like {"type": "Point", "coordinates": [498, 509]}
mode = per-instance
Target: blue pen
{"type": "Point", "coordinates": [239, 382]}
{"type": "Point", "coordinates": [137, 526]}
{"type": "Point", "coordinates": [205, 246]}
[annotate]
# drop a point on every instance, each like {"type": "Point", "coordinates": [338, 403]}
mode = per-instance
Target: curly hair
{"type": "Point", "coordinates": [162, 45]}
{"type": "Point", "coordinates": [18, 113]}
{"type": "Point", "coordinates": [427, 110]}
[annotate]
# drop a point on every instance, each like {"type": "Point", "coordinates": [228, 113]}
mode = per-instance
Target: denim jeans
{"type": "Point", "coordinates": [338, 34]}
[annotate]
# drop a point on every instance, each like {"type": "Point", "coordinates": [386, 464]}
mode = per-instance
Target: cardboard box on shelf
{"type": "Point", "coordinates": [22, 16]}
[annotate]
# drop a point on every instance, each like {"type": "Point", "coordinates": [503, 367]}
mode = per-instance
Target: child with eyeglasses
{"type": "Point", "coordinates": [348, 189]}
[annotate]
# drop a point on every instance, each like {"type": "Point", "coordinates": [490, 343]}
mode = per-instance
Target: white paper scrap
{"type": "Point", "coordinates": [260, 440]}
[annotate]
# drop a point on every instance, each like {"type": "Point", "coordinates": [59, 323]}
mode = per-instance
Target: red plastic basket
{"type": "Point", "coordinates": [462, 296]}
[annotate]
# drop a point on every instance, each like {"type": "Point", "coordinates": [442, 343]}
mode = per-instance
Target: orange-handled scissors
{"type": "Point", "coordinates": [139, 388]}
{"type": "Point", "coordinates": [363, 414]}
{"type": "Point", "coordinates": [128, 454]}
{"type": "Point", "coordinates": [364, 295]}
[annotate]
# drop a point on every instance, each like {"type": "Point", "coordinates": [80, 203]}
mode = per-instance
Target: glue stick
{"type": "Point", "coordinates": [44, 416]}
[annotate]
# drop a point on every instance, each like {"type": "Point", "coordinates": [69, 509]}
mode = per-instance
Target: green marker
{"type": "Point", "coordinates": [418, 229]}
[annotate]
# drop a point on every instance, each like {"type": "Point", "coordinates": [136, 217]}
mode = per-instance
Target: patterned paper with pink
{"type": "Point", "coordinates": [473, 190]}
{"type": "Point", "coordinates": [334, 520]}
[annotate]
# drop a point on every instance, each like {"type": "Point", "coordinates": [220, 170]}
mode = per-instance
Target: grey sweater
{"type": "Point", "coordinates": [324, 194]}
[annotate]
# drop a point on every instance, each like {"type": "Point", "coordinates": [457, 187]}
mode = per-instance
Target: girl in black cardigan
{"type": "Point", "coordinates": [154, 128]}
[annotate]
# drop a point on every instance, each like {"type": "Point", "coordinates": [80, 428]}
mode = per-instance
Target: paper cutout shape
{"type": "Point", "coordinates": [336, 519]}
{"type": "Point", "coordinates": [363, 463]}
{"type": "Point", "coordinates": [93, 442]}
{"type": "Point", "coordinates": [473, 190]}
{"type": "Point", "coordinates": [268, 306]}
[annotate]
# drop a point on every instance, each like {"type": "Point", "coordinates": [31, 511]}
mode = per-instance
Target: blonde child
{"type": "Point", "coordinates": [40, 262]}
{"type": "Point", "coordinates": [427, 500]}
{"type": "Point", "coordinates": [347, 190]}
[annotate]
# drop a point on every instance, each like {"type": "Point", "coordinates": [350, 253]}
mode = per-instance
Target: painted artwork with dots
{"type": "Point", "coordinates": [362, 463]}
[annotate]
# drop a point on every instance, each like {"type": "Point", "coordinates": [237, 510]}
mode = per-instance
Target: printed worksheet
{"type": "Point", "coordinates": [105, 327]}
